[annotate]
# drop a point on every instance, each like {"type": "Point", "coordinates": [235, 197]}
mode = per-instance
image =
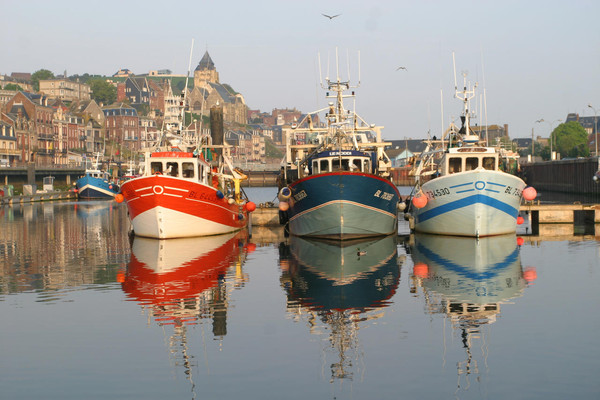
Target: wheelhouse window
{"type": "Point", "coordinates": [471, 163]}
{"type": "Point", "coordinates": [335, 164]}
{"type": "Point", "coordinates": [188, 170]}
{"type": "Point", "coordinates": [454, 165]}
{"type": "Point", "coordinates": [156, 167]}
{"type": "Point", "coordinates": [489, 163]}
{"type": "Point", "coordinates": [366, 166]}
{"type": "Point", "coordinates": [173, 168]}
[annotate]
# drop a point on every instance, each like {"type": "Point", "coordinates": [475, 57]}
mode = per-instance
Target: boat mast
{"type": "Point", "coordinates": [466, 94]}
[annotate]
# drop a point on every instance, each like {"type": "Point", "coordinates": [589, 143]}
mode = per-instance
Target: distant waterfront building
{"type": "Point", "coordinates": [31, 116]}
{"type": "Point", "coordinates": [65, 89]}
{"type": "Point", "coordinates": [8, 143]}
{"type": "Point", "coordinates": [122, 125]}
{"type": "Point", "coordinates": [123, 73]}
{"type": "Point", "coordinates": [209, 92]}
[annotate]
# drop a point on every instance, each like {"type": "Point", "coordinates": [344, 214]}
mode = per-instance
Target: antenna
{"type": "Point", "coordinates": [442, 106]}
{"type": "Point", "coordinates": [185, 87]}
{"type": "Point", "coordinates": [348, 63]}
{"type": "Point", "coordinates": [320, 73]}
{"type": "Point", "coordinates": [358, 69]}
{"type": "Point", "coordinates": [454, 65]}
{"type": "Point", "coordinates": [337, 65]}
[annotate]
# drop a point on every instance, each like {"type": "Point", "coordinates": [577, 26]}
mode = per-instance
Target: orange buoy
{"type": "Point", "coordinates": [529, 193]}
{"type": "Point", "coordinates": [421, 270]}
{"type": "Point", "coordinates": [419, 201]}
{"type": "Point", "coordinates": [520, 241]}
{"type": "Point", "coordinates": [250, 206]}
{"type": "Point", "coordinates": [530, 274]}
{"type": "Point", "coordinates": [520, 220]}
{"type": "Point", "coordinates": [250, 247]}
{"type": "Point", "coordinates": [284, 206]}
{"type": "Point", "coordinates": [120, 277]}
{"type": "Point", "coordinates": [119, 198]}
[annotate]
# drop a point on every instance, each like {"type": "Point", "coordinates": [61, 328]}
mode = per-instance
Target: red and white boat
{"type": "Point", "coordinates": [188, 187]}
{"type": "Point", "coordinates": [181, 194]}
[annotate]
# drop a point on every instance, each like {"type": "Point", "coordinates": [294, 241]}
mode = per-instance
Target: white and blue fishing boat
{"type": "Point", "coordinates": [460, 187]}
{"type": "Point", "coordinates": [336, 183]}
{"type": "Point", "coordinates": [96, 183]}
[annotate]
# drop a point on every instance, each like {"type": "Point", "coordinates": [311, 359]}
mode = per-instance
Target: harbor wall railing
{"type": "Point", "coordinates": [565, 176]}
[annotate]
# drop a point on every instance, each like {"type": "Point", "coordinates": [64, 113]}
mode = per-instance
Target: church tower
{"type": "Point", "coordinates": [205, 72]}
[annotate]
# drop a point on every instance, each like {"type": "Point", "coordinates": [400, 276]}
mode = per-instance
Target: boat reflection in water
{"type": "Point", "coordinates": [335, 286]}
{"type": "Point", "coordinates": [467, 280]}
{"type": "Point", "coordinates": [181, 282]}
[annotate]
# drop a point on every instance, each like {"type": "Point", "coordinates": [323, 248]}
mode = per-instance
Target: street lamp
{"type": "Point", "coordinates": [595, 128]}
{"type": "Point", "coordinates": [550, 136]}
{"type": "Point", "coordinates": [532, 140]}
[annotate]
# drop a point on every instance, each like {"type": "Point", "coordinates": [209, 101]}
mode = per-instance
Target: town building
{"type": "Point", "coordinates": [65, 89]}
{"type": "Point", "coordinates": [9, 153]}
{"type": "Point", "coordinates": [122, 125]}
{"type": "Point", "coordinates": [209, 92]}
{"type": "Point", "coordinates": [31, 116]}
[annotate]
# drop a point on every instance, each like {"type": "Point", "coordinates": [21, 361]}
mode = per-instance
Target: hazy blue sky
{"type": "Point", "coordinates": [535, 59]}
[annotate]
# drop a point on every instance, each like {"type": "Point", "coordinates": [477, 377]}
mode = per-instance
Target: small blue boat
{"type": "Point", "coordinates": [96, 184]}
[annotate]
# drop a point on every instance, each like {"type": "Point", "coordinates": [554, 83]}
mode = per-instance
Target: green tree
{"type": "Point", "coordinates": [13, 86]}
{"type": "Point", "coordinates": [103, 91]}
{"type": "Point", "coordinates": [570, 140]}
{"type": "Point", "coordinates": [38, 75]}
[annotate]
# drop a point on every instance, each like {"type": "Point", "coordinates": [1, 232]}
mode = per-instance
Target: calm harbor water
{"type": "Point", "coordinates": [89, 313]}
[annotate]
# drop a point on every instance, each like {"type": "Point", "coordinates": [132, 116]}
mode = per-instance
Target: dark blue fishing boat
{"type": "Point", "coordinates": [336, 183]}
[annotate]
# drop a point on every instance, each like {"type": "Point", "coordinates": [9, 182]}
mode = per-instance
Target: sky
{"type": "Point", "coordinates": [531, 60]}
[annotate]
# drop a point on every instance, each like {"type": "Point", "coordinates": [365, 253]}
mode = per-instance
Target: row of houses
{"type": "Point", "coordinates": [61, 122]}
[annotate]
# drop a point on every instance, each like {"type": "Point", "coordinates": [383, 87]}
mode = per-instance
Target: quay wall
{"type": "Point", "coordinates": [565, 176]}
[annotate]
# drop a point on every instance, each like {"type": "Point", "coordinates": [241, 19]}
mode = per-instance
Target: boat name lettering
{"type": "Point", "coordinates": [432, 194]}
{"type": "Point", "coordinates": [472, 150]}
{"type": "Point", "coordinates": [300, 195]}
{"type": "Point", "coordinates": [511, 190]}
{"type": "Point", "coordinates": [340, 153]}
{"type": "Point", "coordinates": [384, 195]}
{"type": "Point", "coordinates": [200, 196]}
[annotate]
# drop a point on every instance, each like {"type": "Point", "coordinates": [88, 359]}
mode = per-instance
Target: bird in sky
{"type": "Point", "coordinates": [331, 16]}
{"type": "Point", "coordinates": [399, 68]}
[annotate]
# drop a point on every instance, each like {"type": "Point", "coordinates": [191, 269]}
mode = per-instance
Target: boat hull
{"type": "Point", "coordinates": [467, 270]}
{"type": "Point", "coordinates": [343, 205]}
{"type": "Point", "coordinates": [165, 207]}
{"type": "Point", "coordinates": [95, 188]}
{"type": "Point", "coordinates": [474, 203]}
{"type": "Point", "coordinates": [330, 276]}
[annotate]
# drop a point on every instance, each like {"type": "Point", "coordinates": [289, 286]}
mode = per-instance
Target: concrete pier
{"type": "Point", "coordinates": [562, 213]}
{"type": "Point", "coordinates": [50, 196]}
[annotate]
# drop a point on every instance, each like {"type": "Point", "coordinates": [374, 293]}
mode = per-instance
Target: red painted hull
{"type": "Point", "coordinates": [167, 207]}
{"type": "Point", "coordinates": [170, 275]}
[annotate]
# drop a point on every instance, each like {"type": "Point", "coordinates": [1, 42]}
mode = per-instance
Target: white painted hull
{"type": "Point", "coordinates": [474, 203]}
{"type": "Point", "coordinates": [164, 223]}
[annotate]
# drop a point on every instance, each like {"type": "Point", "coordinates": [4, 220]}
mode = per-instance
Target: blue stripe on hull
{"type": "Point", "coordinates": [491, 271]}
{"type": "Point", "coordinates": [468, 201]}
{"type": "Point", "coordinates": [343, 205]}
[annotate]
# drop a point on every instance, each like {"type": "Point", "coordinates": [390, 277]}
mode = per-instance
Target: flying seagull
{"type": "Point", "coordinates": [399, 68]}
{"type": "Point", "coordinates": [331, 16]}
